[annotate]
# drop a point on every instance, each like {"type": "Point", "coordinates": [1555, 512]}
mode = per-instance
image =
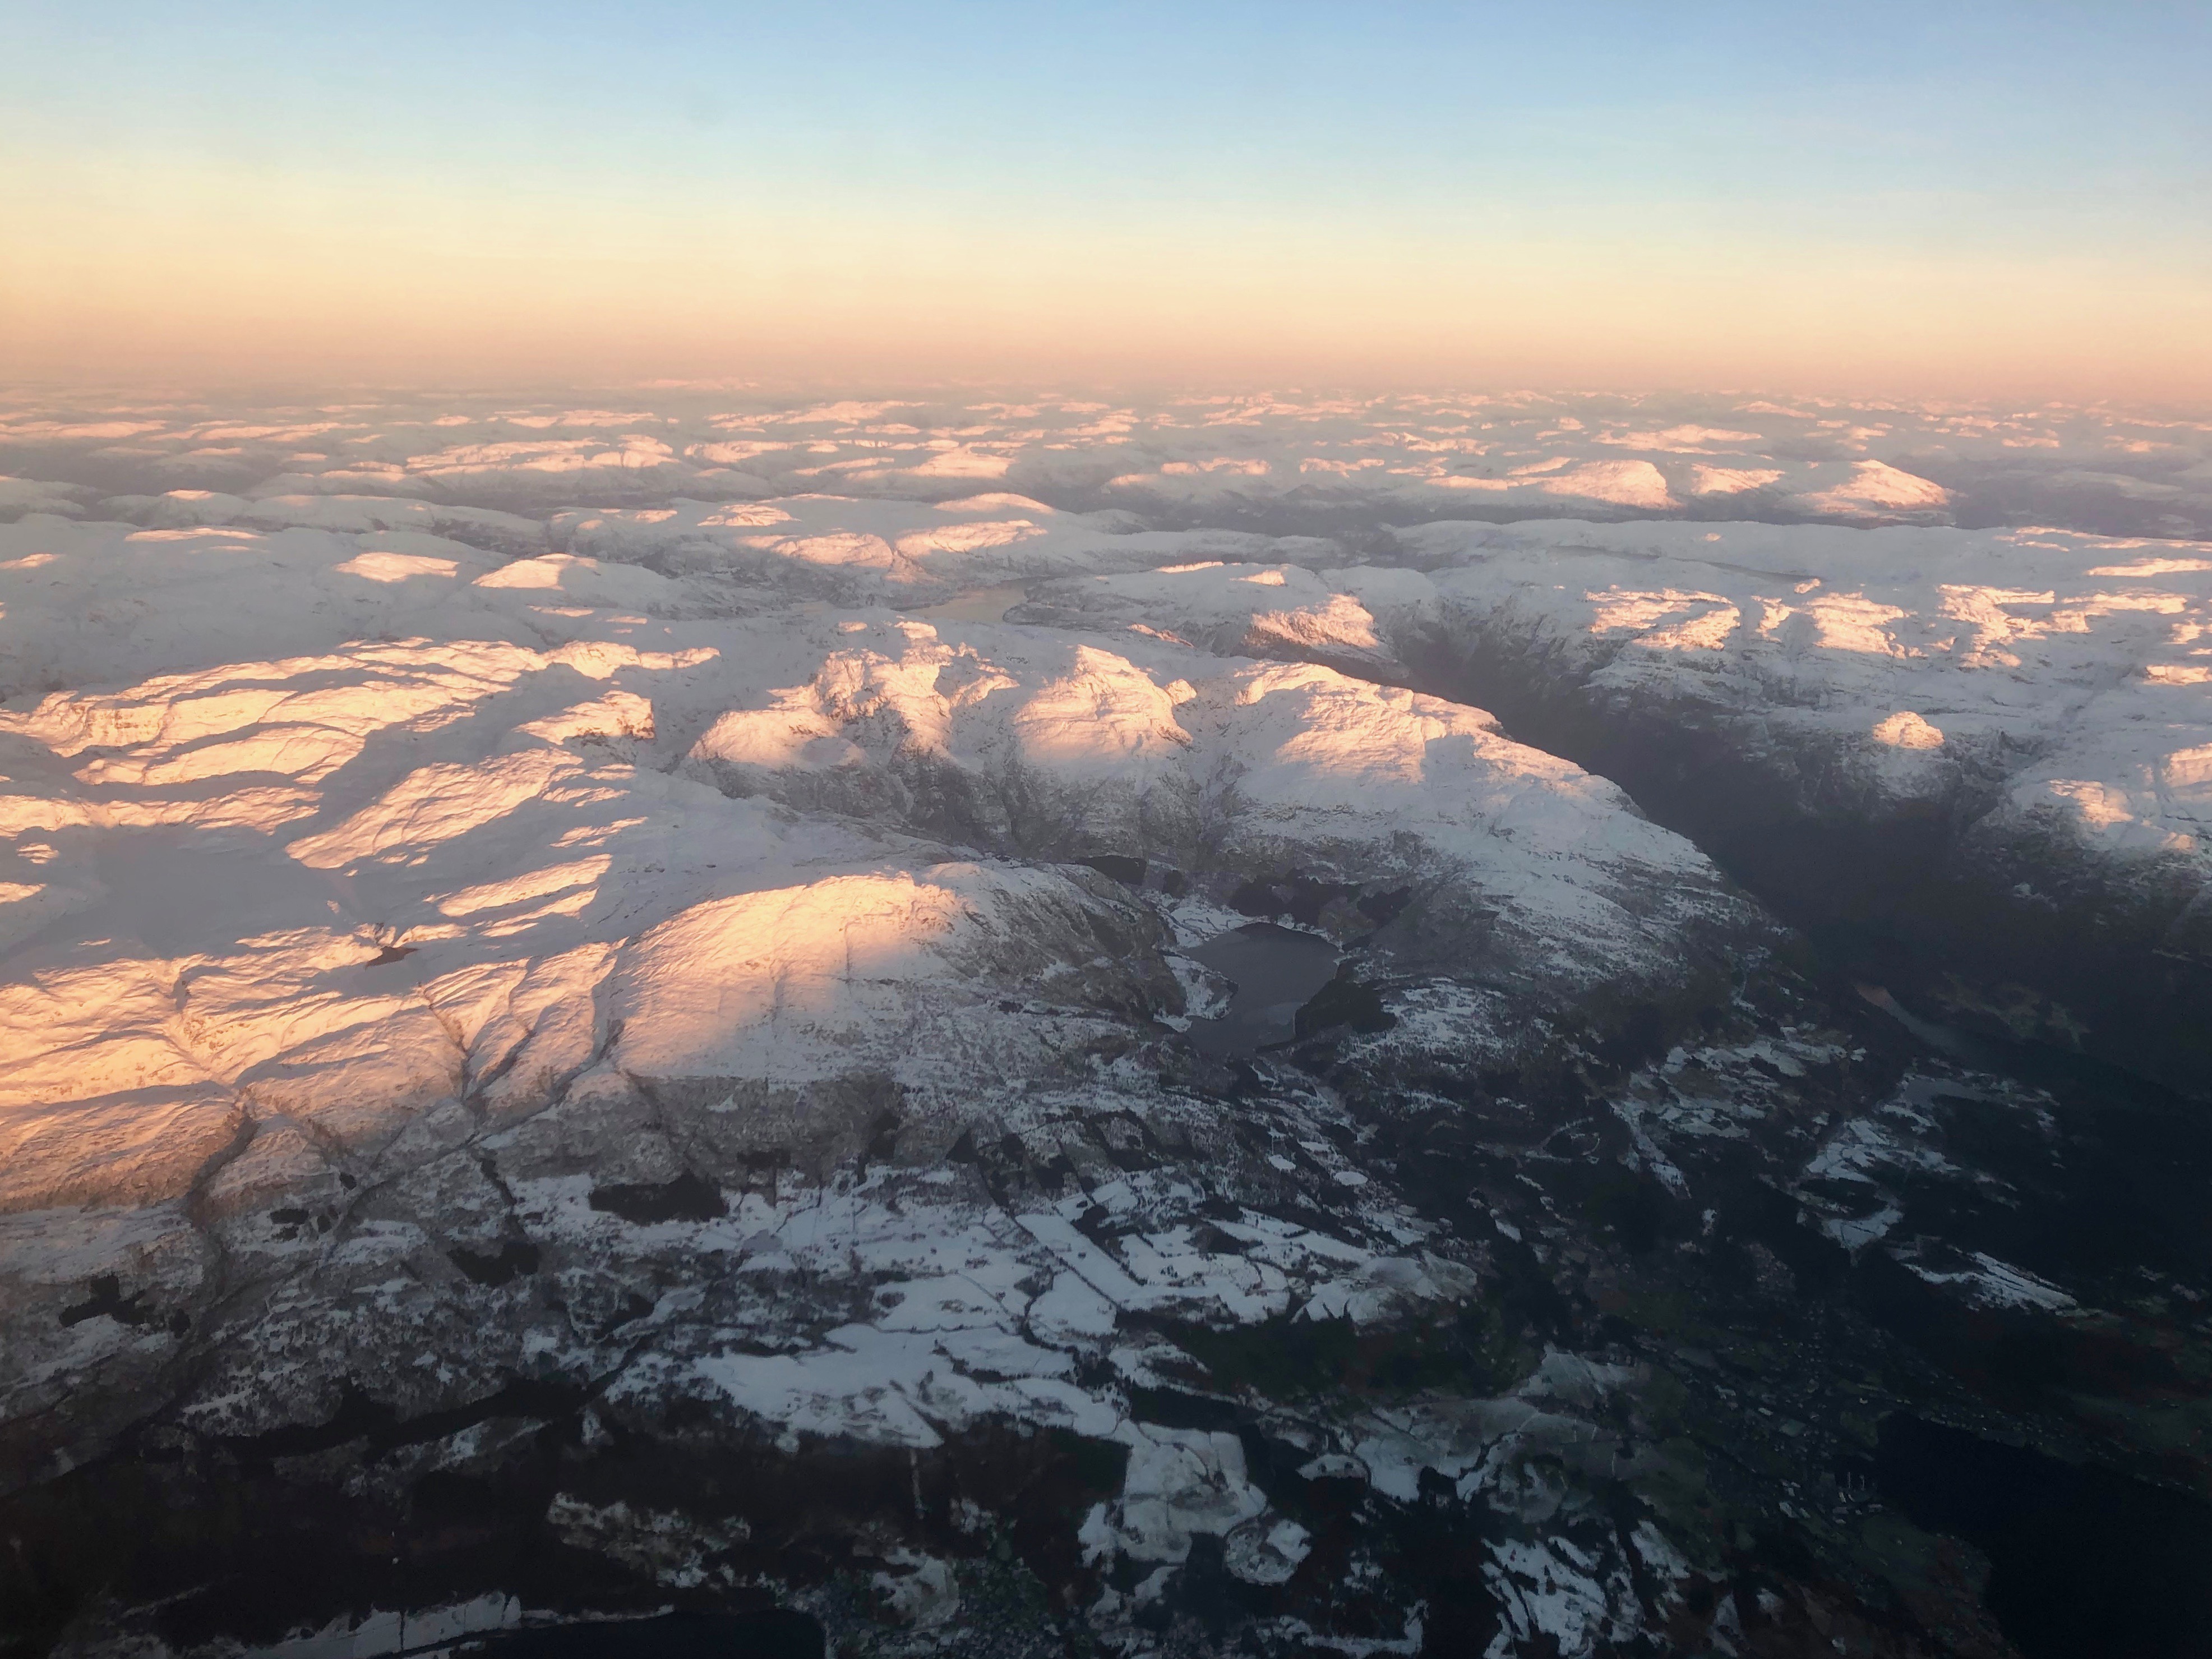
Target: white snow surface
{"type": "Point", "coordinates": [262, 734]}
{"type": "Point", "coordinates": [1151, 750]}
{"type": "Point", "coordinates": [1396, 458]}
{"type": "Point", "coordinates": [280, 762]}
{"type": "Point", "coordinates": [2074, 666]}
{"type": "Point", "coordinates": [335, 847]}
{"type": "Point", "coordinates": [434, 815]}
{"type": "Point", "coordinates": [2058, 682]}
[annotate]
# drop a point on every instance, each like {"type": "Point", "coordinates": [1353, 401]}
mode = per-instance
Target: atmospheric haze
{"type": "Point", "coordinates": [1987, 200]}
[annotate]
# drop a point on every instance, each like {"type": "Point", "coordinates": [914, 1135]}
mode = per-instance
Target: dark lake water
{"type": "Point", "coordinates": [776, 1635]}
{"type": "Point", "coordinates": [1276, 971]}
{"type": "Point", "coordinates": [2083, 1561]}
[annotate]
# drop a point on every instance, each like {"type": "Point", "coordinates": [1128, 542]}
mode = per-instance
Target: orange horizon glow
{"type": "Point", "coordinates": [1888, 201]}
{"type": "Point", "coordinates": [157, 278]}
{"type": "Point", "coordinates": [211, 327]}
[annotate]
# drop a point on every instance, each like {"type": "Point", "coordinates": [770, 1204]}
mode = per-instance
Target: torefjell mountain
{"type": "Point", "coordinates": [1266, 1026]}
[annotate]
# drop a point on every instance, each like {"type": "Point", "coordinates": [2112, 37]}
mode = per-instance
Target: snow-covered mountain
{"type": "Point", "coordinates": [630, 998]}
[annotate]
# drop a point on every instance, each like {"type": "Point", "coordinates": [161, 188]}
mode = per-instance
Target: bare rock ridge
{"type": "Point", "coordinates": [608, 1020]}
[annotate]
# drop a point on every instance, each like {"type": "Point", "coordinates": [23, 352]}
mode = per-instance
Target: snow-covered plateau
{"type": "Point", "coordinates": [609, 1033]}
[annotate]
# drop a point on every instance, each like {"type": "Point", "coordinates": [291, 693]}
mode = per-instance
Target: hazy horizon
{"type": "Point", "coordinates": [1992, 202]}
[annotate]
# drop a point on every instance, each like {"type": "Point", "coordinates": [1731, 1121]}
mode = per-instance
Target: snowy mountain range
{"type": "Point", "coordinates": [615, 1014]}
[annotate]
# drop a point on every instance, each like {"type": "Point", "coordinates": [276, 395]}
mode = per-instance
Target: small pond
{"type": "Point", "coordinates": [1276, 971]}
{"type": "Point", "coordinates": [977, 604]}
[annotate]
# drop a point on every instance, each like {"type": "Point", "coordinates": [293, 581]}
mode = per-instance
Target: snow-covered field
{"type": "Point", "coordinates": [688, 902]}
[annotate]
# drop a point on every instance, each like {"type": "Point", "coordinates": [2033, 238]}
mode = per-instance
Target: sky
{"type": "Point", "coordinates": [1946, 198]}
